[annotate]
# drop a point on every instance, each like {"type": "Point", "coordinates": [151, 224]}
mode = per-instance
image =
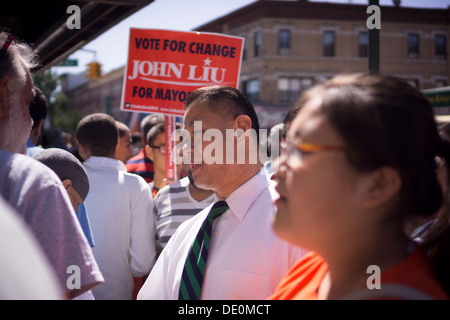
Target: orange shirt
{"type": "Point", "coordinates": [303, 279]}
{"type": "Point", "coordinates": [154, 191]}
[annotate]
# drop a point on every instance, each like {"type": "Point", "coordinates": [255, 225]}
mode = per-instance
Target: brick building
{"type": "Point", "coordinates": [95, 95]}
{"type": "Point", "coordinates": [291, 45]}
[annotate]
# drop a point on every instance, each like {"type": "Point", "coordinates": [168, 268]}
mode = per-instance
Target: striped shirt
{"type": "Point", "coordinates": [173, 205]}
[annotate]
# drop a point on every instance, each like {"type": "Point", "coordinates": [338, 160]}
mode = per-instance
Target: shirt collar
{"type": "Point", "coordinates": [243, 197]}
{"type": "Point", "coordinates": [105, 162]}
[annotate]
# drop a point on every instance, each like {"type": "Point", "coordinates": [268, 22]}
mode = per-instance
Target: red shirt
{"type": "Point", "coordinates": [141, 165]}
{"type": "Point", "coordinates": [304, 278]}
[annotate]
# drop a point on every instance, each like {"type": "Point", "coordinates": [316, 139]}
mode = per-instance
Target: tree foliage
{"type": "Point", "coordinates": [61, 116]}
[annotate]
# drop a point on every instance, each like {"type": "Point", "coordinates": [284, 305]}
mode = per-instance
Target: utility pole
{"type": "Point", "coordinates": [94, 70]}
{"type": "Point", "coordinates": [374, 45]}
{"type": "Point", "coordinates": [94, 52]}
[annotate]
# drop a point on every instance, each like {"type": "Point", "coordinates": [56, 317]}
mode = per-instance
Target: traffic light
{"type": "Point", "coordinates": [94, 70]}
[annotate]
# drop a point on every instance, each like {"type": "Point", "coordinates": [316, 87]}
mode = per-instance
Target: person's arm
{"type": "Point", "coordinates": [156, 213]}
{"type": "Point", "coordinates": [156, 285]}
{"type": "Point", "coordinates": [56, 227]}
{"type": "Point", "coordinates": [142, 249]}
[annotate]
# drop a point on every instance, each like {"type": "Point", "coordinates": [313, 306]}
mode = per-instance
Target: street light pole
{"type": "Point", "coordinates": [91, 51]}
{"type": "Point", "coordinates": [374, 45]}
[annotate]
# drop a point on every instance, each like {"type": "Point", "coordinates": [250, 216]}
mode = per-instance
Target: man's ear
{"type": "Point", "coordinates": [149, 152]}
{"type": "Point", "coordinates": [4, 96]}
{"type": "Point", "coordinates": [40, 124]}
{"type": "Point", "coordinates": [67, 183]}
{"type": "Point", "coordinates": [243, 122]}
{"type": "Point", "coordinates": [83, 151]}
{"type": "Point", "coordinates": [382, 186]}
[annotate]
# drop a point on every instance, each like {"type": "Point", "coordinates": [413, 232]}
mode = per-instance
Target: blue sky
{"type": "Point", "coordinates": [111, 47]}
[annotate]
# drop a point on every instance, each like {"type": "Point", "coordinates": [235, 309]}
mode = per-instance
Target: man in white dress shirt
{"type": "Point", "coordinates": [120, 210]}
{"type": "Point", "coordinates": [246, 260]}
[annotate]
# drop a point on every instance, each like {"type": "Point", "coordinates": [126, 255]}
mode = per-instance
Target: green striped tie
{"type": "Point", "coordinates": [194, 267]}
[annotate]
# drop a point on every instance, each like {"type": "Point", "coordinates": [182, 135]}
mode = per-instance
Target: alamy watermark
{"type": "Point", "coordinates": [211, 146]}
{"type": "Point", "coordinates": [74, 21]}
{"type": "Point", "coordinates": [374, 280]}
{"type": "Point", "coordinates": [74, 279]}
{"type": "Point", "coordinates": [373, 21]}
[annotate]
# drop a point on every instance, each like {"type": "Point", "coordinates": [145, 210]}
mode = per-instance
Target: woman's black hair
{"type": "Point", "coordinates": [437, 240]}
{"type": "Point", "coordinates": [386, 122]}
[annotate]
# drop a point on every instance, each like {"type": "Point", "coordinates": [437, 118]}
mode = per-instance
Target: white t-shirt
{"type": "Point", "coordinates": [120, 207]}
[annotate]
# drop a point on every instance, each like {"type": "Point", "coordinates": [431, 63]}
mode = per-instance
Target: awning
{"type": "Point", "coordinates": [43, 23]}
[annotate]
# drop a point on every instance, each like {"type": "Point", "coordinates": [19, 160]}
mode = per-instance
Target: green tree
{"type": "Point", "coordinates": [61, 116]}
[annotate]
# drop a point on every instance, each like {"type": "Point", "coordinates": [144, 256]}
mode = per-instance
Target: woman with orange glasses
{"type": "Point", "coordinates": [359, 160]}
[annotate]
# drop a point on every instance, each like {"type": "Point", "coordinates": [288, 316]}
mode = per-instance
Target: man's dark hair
{"type": "Point", "coordinates": [229, 101]}
{"type": "Point", "coordinates": [98, 132]}
{"type": "Point", "coordinates": [291, 114]}
{"type": "Point", "coordinates": [153, 133]}
{"type": "Point", "coordinates": [38, 107]}
{"type": "Point", "coordinates": [149, 122]}
{"type": "Point", "coordinates": [159, 128]}
{"type": "Point", "coordinates": [122, 128]}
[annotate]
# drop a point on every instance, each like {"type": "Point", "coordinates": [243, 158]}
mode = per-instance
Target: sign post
{"type": "Point", "coordinates": [164, 66]}
{"type": "Point", "coordinates": [169, 128]}
{"type": "Point", "coordinates": [68, 63]}
{"type": "Point", "coordinates": [439, 99]}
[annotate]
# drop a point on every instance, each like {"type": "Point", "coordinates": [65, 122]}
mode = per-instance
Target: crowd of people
{"type": "Point", "coordinates": [361, 184]}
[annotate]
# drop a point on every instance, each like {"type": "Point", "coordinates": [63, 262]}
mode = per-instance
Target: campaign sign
{"type": "Point", "coordinates": [164, 66]}
{"type": "Point", "coordinates": [169, 128]}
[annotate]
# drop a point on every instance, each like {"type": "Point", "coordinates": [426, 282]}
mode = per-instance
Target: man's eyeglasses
{"type": "Point", "coordinates": [9, 40]}
{"type": "Point", "coordinates": [162, 149]}
{"type": "Point", "coordinates": [293, 152]}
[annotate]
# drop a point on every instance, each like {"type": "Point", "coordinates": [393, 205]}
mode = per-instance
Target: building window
{"type": "Point", "coordinates": [363, 44]}
{"type": "Point", "coordinates": [440, 46]}
{"type": "Point", "coordinates": [413, 46]}
{"type": "Point", "coordinates": [244, 51]}
{"type": "Point", "coordinates": [328, 43]}
{"type": "Point", "coordinates": [440, 83]}
{"type": "Point", "coordinates": [252, 89]}
{"type": "Point", "coordinates": [284, 42]}
{"type": "Point", "coordinates": [290, 88]}
{"type": "Point", "coordinates": [257, 47]}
